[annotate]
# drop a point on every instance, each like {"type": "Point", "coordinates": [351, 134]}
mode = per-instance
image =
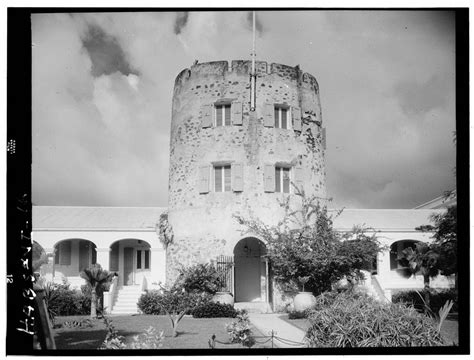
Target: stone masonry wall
{"type": "Point", "coordinates": [203, 224]}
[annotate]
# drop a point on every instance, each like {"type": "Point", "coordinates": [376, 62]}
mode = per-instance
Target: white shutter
{"type": "Point", "coordinates": [206, 114]}
{"type": "Point", "coordinates": [296, 114]}
{"type": "Point", "coordinates": [204, 179]}
{"type": "Point", "coordinates": [237, 177]}
{"type": "Point", "coordinates": [269, 178]}
{"type": "Point", "coordinates": [237, 113]}
{"type": "Point", "coordinates": [269, 115]}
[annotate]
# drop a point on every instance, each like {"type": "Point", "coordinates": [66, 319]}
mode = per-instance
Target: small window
{"type": "Point", "coordinates": [281, 117]}
{"type": "Point", "coordinates": [223, 115]}
{"type": "Point", "coordinates": [222, 178]}
{"type": "Point", "coordinates": [282, 179]}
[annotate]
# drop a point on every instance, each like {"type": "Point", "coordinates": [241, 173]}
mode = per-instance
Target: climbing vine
{"type": "Point", "coordinates": [165, 230]}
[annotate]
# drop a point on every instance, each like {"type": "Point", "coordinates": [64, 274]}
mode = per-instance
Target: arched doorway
{"type": "Point", "coordinates": [251, 271]}
{"type": "Point", "coordinates": [397, 263]}
{"type": "Point", "coordinates": [71, 256]}
{"type": "Point", "coordinates": [131, 258]}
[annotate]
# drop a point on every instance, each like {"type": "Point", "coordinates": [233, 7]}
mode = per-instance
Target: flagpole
{"type": "Point", "coordinates": [253, 75]}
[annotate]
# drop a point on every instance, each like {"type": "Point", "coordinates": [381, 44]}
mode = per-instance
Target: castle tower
{"type": "Point", "coordinates": [226, 159]}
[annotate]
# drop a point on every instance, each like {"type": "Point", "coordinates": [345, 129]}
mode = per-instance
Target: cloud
{"type": "Point", "coordinates": [180, 22]}
{"type": "Point", "coordinates": [258, 22]}
{"type": "Point", "coordinates": [105, 53]}
{"type": "Point", "coordinates": [421, 98]}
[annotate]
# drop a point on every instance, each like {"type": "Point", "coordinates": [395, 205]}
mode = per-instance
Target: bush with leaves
{"type": "Point", "coordinates": [63, 301]}
{"type": "Point", "coordinates": [201, 278]}
{"type": "Point", "coordinates": [356, 320]}
{"type": "Point", "coordinates": [240, 331]}
{"type": "Point", "coordinates": [152, 302]}
{"type": "Point", "coordinates": [304, 243]}
{"type": "Point", "coordinates": [214, 310]}
{"type": "Point", "coordinates": [437, 299]}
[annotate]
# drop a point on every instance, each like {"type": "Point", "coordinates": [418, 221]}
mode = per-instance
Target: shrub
{"type": "Point", "coordinates": [214, 310]}
{"type": "Point", "coordinates": [63, 301]}
{"type": "Point", "coordinates": [153, 302]}
{"type": "Point", "coordinates": [356, 320]}
{"type": "Point", "coordinates": [437, 299]}
{"type": "Point", "coordinates": [200, 278]}
{"type": "Point", "coordinates": [297, 315]}
{"type": "Point", "coordinates": [240, 330]}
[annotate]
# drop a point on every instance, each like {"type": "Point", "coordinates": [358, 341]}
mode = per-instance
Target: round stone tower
{"type": "Point", "coordinates": [226, 159]}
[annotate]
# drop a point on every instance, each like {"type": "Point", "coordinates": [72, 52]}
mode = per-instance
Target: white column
{"type": "Point", "coordinates": [103, 257]}
{"type": "Point", "coordinates": [47, 270]}
{"type": "Point", "coordinates": [158, 265]}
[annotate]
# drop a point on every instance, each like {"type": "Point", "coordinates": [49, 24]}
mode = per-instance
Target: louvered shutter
{"type": "Point", "coordinates": [323, 140]}
{"type": "Point", "coordinates": [203, 179]}
{"type": "Point", "coordinates": [296, 113]}
{"type": "Point", "coordinates": [237, 177]}
{"type": "Point", "coordinates": [299, 178]}
{"type": "Point", "coordinates": [236, 113]}
{"type": "Point", "coordinates": [269, 178]}
{"type": "Point", "coordinates": [206, 113]}
{"type": "Point", "coordinates": [65, 257]}
{"type": "Point", "coordinates": [268, 115]}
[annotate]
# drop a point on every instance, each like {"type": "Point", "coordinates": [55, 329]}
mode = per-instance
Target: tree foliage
{"type": "Point", "coordinates": [305, 244]}
{"type": "Point", "coordinates": [96, 277]}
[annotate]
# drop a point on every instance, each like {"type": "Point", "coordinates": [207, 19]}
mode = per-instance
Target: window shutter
{"type": "Point", "coordinates": [203, 179]}
{"type": "Point", "coordinates": [237, 177]}
{"type": "Point", "coordinates": [206, 113]}
{"type": "Point", "coordinates": [299, 178]}
{"type": "Point", "coordinates": [65, 257]}
{"type": "Point", "coordinates": [269, 178]}
{"type": "Point", "coordinates": [268, 115]}
{"type": "Point", "coordinates": [323, 139]}
{"type": "Point", "coordinates": [296, 112]}
{"type": "Point", "coordinates": [236, 113]}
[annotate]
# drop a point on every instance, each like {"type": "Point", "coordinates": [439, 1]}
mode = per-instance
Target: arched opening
{"type": "Point", "coordinates": [397, 263]}
{"type": "Point", "coordinates": [71, 256]}
{"type": "Point", "coordinates": [131, 259]}
{"type": "Point", "coordinates": [251, 271]}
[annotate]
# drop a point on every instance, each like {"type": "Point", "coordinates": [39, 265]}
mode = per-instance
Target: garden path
{"type": "Point", "coordinates": [291, 336]}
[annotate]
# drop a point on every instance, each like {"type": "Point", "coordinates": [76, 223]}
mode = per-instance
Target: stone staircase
{"type": "Point", "coordinates": [126, 299]}
{"type": "Point", "coordinates": [257, 307]}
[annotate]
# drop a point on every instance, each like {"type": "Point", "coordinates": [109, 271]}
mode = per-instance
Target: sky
{"type": "Point", "coordinates": [102, 87]}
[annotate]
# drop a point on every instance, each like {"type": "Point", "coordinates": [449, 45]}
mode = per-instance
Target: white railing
{"type": "Point", "coordinates": [384, 296]}
{"type": "Point", "coordinates": [109, 296]}
{"type": "Point", "coordinates": [144, 284]}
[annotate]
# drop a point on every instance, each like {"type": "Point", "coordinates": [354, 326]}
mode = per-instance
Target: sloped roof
{"type": "Point", "coordinates": [81, 217]}
{"type": "Point", "coordinates": [384, 219]}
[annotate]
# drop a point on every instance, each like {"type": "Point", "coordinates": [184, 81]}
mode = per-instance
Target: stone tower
{"type": "Point", "coordinates": [225, 159]}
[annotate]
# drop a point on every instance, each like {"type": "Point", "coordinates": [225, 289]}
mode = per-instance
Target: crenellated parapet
{"type": "Point", "coordinates": [244, 67]}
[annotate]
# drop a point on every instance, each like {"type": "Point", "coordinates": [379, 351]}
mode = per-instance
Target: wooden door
{"type": "Point", "coordinates": [128, 266]}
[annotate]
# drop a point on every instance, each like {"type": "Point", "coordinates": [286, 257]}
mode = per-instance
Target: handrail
{"type": "Point", "coordinates": [111, 294]}
{"type": "Point", "coordinates": [378, 288]}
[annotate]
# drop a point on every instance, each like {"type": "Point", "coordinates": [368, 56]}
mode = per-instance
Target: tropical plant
{"type": "Point", "coordinates": [356, 320]}
{"type": "Point", "coordinates": [423, 259]}
{"type": "Point", "coordinates": [39, 256]}
{"type": "Point", "coordinates": [200, 278]}
{"type": "Point", "coordinates": [164, 230]}
{"type": "Point", "coordinates": [240, 331]}
{"type": "Point", "coordinates": [96, 277]}
{"type": "Point", "coordinates": [305, 244]}
{"type": "Point", "coordinates": [445, 239]}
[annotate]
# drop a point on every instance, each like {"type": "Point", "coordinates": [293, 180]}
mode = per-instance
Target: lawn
{"type": "Point", "coordinates": [193, 333]}
{"type": "Point", "coordinates": [449, 329]}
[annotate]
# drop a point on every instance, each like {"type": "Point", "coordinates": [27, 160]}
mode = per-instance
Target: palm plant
{"type": "Point", "coordinates": [423, 259]}
{"type": "Point", "coordinates": [96, 277]}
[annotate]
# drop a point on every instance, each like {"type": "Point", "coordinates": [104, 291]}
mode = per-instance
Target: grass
{"type": "Point", "coordinates": [193, 333]}
{"type": "Point", "coordinates": [449, 329]}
